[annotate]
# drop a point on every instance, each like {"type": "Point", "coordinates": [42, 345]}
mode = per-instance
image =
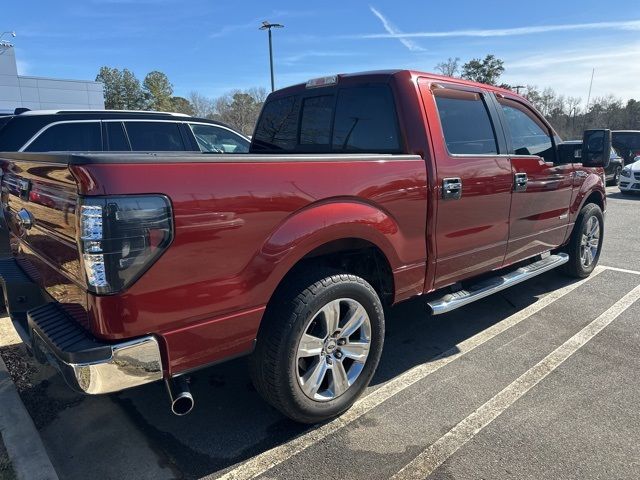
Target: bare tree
{"type": "Point", "coordinates": [450, 68]}
{"type": "Point", "coordinates": [203, 106]}
{"type": "Point", "coordinates": [240, 108]}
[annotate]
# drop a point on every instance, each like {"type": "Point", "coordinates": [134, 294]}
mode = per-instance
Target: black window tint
{"type": "Point", "coordinates": [69, 137]}
{"type": "Point", "coordinates": [366, 121]}
{"type": "Point", "coordinates": [627, 143]}
{"type": "Point", "coordinates": [627, 139]}
{"type": "Point", "coordinates": [315, 125]}
{"type": "Point", "coordinates": [116, 138]}
{"type": "Point", "coordinates": [154, 136]}
{"type": "Point", "coordinates": [529, 135]}
{"type": "Point", "coordinates": [465, 122]}
{"type": "Point", "coordinates": [212, 139]}
{"type": "Point", "coordinates": [278, 125]}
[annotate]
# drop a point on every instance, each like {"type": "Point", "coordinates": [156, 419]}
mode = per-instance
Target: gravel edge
{"type": "Point", "coordinates": [21, 438]}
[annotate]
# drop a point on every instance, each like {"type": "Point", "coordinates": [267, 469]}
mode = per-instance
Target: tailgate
{"type": "Point", "coordinates": [39, 206]}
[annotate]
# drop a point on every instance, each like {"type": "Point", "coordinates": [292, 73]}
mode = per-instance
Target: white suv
{"type": "Point", "coordinates": [630, 177]}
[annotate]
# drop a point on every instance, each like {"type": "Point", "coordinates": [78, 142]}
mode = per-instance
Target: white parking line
{"type": "Point", "coordinates": [437, 453]}
{"type": "Point", "coordinates": [623, 270]}
{"type": "Point", "coordinates": [267, 460]}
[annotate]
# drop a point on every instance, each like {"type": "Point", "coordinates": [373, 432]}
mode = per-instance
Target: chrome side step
{"type": "Point", "coordinates": [490, 286]}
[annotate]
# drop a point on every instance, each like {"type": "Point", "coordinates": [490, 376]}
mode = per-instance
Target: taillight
{"type": "Point", "coordinates": [121, 237]}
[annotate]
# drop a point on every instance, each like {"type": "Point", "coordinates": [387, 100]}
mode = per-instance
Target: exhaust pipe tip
{"type": "Point", "coordinates": [180, 396]}
{"type": "Point", "coordinates": [182, 404]}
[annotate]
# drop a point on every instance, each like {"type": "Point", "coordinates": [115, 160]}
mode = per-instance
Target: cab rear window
{"type": "Point", "coordinates": [278, 125]}
{"type": "Point", "coordinates": [357, 119]}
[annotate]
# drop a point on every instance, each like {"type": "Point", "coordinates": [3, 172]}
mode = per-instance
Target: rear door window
{"type": "Point", "coordinates": [155, 136]}
{"type": "Point", "coordinates": [69, 137]}
{"type": "Point", "coordinates": [466, 123]}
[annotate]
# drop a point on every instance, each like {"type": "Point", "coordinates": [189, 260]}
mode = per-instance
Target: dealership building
{"type": "Point", "coordinates": [42, 93]}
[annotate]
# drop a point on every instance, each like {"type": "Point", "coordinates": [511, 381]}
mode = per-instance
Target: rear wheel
{"type": "Point", "coordinates": [586, 242]}
{"type": "Point", "coordinates": [319, 346]}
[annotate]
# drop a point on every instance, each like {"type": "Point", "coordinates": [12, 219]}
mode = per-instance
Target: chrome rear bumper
{"type": "Point", "coordinates": [130, 364]}
{"type": "Point", "coordinates": [88, 364]}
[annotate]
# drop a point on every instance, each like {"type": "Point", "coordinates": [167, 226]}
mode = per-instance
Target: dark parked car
{"type": "Point", "coordinates": [627, 143]}
{"type": "Point", "coordinates": [116, 130]}
{"type": "Point", "coordinates": [616, 164]}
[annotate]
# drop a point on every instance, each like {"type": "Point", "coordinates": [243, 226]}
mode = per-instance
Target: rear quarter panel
{"type": "Point", "coordinates": [240, 226]}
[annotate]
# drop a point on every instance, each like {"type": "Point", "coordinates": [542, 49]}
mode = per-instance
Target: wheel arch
{"type": "Point", "coordinates": [591, 191]}
{"type": "Point", "coordinates": [343, 234]}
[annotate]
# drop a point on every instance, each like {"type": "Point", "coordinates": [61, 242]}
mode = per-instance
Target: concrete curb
{"type": "Point", "coordinates": [21, 438]}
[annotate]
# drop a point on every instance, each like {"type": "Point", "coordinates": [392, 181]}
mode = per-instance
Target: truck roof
{"type": "Point", "coordinates": [385, 75]}
{"type": "Point", "coordinates": [100, 112]}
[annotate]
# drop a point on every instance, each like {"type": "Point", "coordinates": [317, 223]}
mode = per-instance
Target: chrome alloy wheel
{"type": "Point", "coordinates": [590, 241]}
{"type": "Point", "coordinates": [333, 349]}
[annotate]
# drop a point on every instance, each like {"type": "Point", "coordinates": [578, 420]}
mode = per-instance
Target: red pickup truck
{"type": "Point", "coordinates": [360, 191]}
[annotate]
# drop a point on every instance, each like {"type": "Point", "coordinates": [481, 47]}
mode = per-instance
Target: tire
{"type": "Point", "coordinates": [585, 244]}
{"type": "Point", "coordinates": [283, 368]}
{"type": "Point", "coordinates": [615, 180]}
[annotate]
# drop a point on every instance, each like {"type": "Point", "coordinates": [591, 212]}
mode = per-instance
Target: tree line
{"type": "Point", "coordinates": [568, 115]}
{"type": "Point", "coordinates": [123, 91]}
{"type": "Point", "coordinates": [240, 108]}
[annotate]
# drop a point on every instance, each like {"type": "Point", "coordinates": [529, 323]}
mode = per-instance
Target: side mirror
{"type": "Point", "coordinates": [569, 153]}
{"type": "Point", "coordinates": [596, 148]}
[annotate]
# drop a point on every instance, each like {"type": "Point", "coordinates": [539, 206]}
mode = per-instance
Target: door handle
{"type": "Point", "coordinates": [520, 182]}
{"type": "Point", "coordinates": [451, 188]}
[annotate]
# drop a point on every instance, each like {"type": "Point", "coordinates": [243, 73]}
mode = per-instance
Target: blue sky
{"type": "Point", "coordinates": [215, 46]}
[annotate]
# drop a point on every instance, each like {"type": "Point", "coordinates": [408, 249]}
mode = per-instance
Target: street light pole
{"type": "Point", "coordinates": [268, 26]}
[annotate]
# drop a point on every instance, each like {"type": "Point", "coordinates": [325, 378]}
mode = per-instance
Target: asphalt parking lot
{"type": "Point", "coordinates": [540, 381]}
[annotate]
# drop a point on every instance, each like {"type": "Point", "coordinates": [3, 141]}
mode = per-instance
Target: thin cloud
{"type": "Point", "coordinates": [393, 32]}
{"type": "Point", "coordinates": [256, 21]}
{"type": "Point", "coordinates": [293, 59]}
{"type": "Point", "coordinates": [568, 71]}
{"type": "Point", "coordinates": [232, 28]}
{"type": "Point", "coordinates": [586, 57]}
{"type": "Point", "coordinates": [505, 32]}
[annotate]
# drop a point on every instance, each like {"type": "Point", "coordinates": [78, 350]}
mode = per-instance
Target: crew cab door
{"type": "Point", "coordinates": [473, 181]}
{"type": "Point", "coordinates": [542, 187]}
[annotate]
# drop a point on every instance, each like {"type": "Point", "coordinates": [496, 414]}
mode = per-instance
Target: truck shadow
{"type": "Point", "coordinates": [231, 423]}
